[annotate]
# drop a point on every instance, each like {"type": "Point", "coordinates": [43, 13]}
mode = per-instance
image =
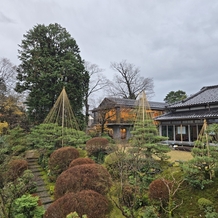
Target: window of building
{"type": "Point", "coordinates": [123, 133]}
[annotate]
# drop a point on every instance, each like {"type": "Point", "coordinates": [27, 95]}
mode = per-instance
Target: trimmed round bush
{"type": "Point", "coordinates": [86, 202]}
{"type": "Point", "coordinates": [60, 160]}
{"type": "Point", "coordinates": [16, 168]}
{"type": "Point", "coordinates": [82, 177]}
{"type": "Point", "coordinates": [97, 147]}
{"type": "Point", "coordinates": [81, 160]}
{"type": "Point", "coordinates": [158, 190]}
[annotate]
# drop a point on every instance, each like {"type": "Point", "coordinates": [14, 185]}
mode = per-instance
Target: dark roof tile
{"type": "Point", "coordinates": [133, 103]}
{"type": "Point", "coordinates": [208, 94]}
{"type": "Point", "coordinates": [198, 114]}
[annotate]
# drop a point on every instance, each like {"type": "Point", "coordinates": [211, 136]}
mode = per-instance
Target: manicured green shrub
{"type": "Point", "coordinates": [210, 212]}
{"type": "Point", "coordinates": [18, 149]}
{"type": "Point", "coordinates": [80, 161]}
{"type": "Point", "coordinates": [27, 206]}
{"type": "Point", "coordinates": [203, 203]}
{"type": "Point", "coordinates": [16, 168]}
{"type": "Point", "coordinates": [60, 160]}
{"type": "Point", "coordinates": [75, 215]}
{"type": "Point", "coordinates": [88, 202]}
{"type": "Point", "coordinates": [82, 177]}
{"type": "Point", "coordinates": [150, 212]}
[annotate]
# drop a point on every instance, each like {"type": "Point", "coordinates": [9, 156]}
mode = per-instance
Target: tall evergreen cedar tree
{"type": "Point", "coordinates": [50, 60]}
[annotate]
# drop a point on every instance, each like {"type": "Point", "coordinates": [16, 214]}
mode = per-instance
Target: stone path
{"type": "Point", "coordinates": [42, 192]}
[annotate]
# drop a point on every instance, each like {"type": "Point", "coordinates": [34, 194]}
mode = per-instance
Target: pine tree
{"type": "Point", "coordinates": [199, 171]}
{"type": "Point", "coordinates": [145, 138]}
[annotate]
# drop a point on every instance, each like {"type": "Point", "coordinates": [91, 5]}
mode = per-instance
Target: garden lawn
{"type": "Point", "coordinates": [179, 155]}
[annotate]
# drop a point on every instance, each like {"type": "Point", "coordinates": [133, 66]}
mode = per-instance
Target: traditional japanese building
{"type": "Point", "coordinates": [183, 121]}
{"type": "Point", "coordinates": [119, 114]}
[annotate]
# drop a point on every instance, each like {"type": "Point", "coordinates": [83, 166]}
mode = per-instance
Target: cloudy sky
{"type": "Point", "coordinates": [175, 42]}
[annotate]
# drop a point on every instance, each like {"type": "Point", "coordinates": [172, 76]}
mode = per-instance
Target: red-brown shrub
{"type": "Point", "coordinates": [60, 160]}
{"type": "Point", "coordinates": [96, 144]}
{"type": "Point", "coordinates": [81, 160]}
{"type": "Point", "coordinates": [83, 177]}
{"type": "Point", "coordinates": [16, 169]}
{"type": "Point", "coordinates": [97, 147]}
{"type": "Point", "coordinates": [158, 190]}
{"type": "Point", "coordinates": [88, 202]}
{"type": "Point", "coordinates": [128, 195]}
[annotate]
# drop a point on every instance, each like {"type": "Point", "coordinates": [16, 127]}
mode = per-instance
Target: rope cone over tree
{"type": "Point", "coordinates": [62, 115]}
{"type": "Point", "coordinates": [145, 134]}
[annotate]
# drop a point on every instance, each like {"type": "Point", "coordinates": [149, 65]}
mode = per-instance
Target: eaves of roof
{"type": "Point", "coordinates": [207, 95]}
{"type": "Point", "coordinates": [198, 114]}
{"type": "Point", "coordinates": [119, 102]}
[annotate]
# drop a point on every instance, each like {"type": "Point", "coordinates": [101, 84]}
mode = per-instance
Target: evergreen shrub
{"type": "Point", "coordinates": [18, 149]}
{"type": "Point", "coordinates": [203, 203]}
{"type": "Point", "coordinates": [27, 206]}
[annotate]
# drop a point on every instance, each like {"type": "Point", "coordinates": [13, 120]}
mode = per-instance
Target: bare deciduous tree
{"type": "Point", "coordinates": [97, 83]}
{"type": "Point", "coordinates": [128, 83]}
{"type": "Point", "coordinates": [105, 112]}
{"type": "Point", "coordinates": [172, 187]}
{"type": "Point", "coordinates": [7, 75]}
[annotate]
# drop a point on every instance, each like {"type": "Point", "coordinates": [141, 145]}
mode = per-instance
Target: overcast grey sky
{"type": "Point", "coordinates": [175, 42]}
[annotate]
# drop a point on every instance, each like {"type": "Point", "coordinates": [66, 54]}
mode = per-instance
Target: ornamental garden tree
{"type": "Point", "coordinates": [199, 171]}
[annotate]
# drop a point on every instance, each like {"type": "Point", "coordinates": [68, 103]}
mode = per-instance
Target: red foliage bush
{"type": "Point", "coordinates": [128, 194]}
{"type": "Point", "coordinates": [96, 144]}
{"type": "Point", "coordinates": [83, 177]}
{"type": "Point", "coordinates": [88, 202]}
{"type": "Point", "coordinates": [158, 190]}
{"type": "Point", "coordinates": [81, 160]}
{"type": "Point", "coordinates": [16, 169]}
{"type": "Point", "coordinates": [60, 160]}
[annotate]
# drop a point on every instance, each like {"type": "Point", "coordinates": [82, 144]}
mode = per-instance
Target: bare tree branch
{"type": "Point", "coordinates": [128, 83]}
{"type": "Point", "coordinates": [97, 82]}
{"type": "Point", "coordinates": [8, 74]}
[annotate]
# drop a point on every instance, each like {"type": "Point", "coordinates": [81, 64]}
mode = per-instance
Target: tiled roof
{"type": "Point", "coordinates": [156, 105]}
{"type": "Point", "coordinates": [133, 103]}
{"type": "Point", "coordinates": [208, 94]}
{"type": "Point", "coordinates": [198, 114]}
{"type": "Point", "coordinates": [122, 101]}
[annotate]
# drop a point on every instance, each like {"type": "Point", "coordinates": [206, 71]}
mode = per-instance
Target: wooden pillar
{"type": "Point", "coordinates": [181, 138]}
{"type": "Point", "coordinates": [95, 117]}
{"type": "Point", "coordinates": [160, 130]}
{"type": "Point", "coordinates": [189, 133]}
{"type": "Point", "coordinates": [117, 114]}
